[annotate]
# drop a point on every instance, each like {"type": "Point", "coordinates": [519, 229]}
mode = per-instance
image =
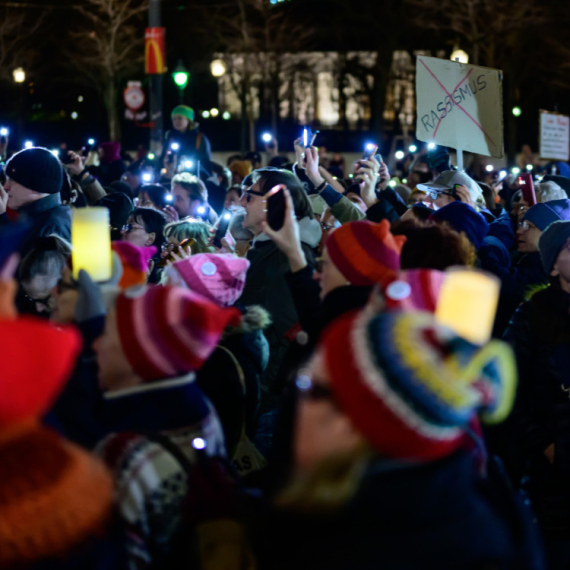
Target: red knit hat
{"type": "Point", "coordinates": [365, 253]}
{"type": "Point", "coordinates": [134, 260]}
{"type": "Point", "coordinates": [168, 331]}
{"type": "Point", "coordinates": [54, 496]}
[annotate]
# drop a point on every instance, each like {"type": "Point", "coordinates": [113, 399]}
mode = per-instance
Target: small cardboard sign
{"type": "Point", "coordinates": [554, 136]}
{"type": "Point", "coordinates": [460, 106]}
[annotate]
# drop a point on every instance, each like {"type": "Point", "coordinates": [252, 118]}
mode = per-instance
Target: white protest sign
{"type": "Point", "coordinates": [460, 106]}
{"type": "Point", "coordinates": [554, 136]}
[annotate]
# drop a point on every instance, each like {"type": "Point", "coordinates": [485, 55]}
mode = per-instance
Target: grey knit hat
{"type": "Point", "coordinates": [551, 242]}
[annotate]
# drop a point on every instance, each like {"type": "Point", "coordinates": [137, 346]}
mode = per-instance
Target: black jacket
{"type": "Point", "coordinates": [193, 145]}
{"type": "Point", "coordinates": [440, 515]}
{"type": "Point", "coordinates": [266, 286]}
{"type": "Point", "coordinates": [48, 216]}
{"type": "Point", "coordinates": [540, 336]}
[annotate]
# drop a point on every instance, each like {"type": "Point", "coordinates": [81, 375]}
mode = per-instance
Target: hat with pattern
{"type": "Point", "coordinates": [411, 386]}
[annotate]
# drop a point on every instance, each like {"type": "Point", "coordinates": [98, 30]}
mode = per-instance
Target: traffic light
{"type": "Point", "coordinates": [180, 76]}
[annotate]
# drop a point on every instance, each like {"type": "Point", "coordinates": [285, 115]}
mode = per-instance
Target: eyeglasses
{"type": "Point", "coordinates": [168, 246]}
{"type": "Point", "coordinates": [250, 193]}
{"type": "Point", "coordinates": [128, 228]}
{"type": "Point", "coordinates": [311, 390]}
{"type": "Point", "coordinates": [525, 226]}
{"type": "Point", "coordinates": [434, 194]}
{"type": "Point", "coordinates": [43, 301]}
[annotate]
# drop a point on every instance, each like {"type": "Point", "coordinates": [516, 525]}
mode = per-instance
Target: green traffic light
{"type": "Point", "coordinates": [181, 79]}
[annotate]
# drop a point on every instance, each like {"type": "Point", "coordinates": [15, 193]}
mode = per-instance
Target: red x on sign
{"type": "Point", "coordinates": [436, 102]}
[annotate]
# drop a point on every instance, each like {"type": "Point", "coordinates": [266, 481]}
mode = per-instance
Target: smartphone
{"type": "Point", "coordinates": [527, 188]}
{"type": "Point", "coordinates": [307, 137]}
{"type": "Point", "coordinates": [454, 193]}
{"type": "Point", "coordinates": [276, 207]}
{"type": "Point", "coordinates": [369, 152]}
{"type": "Point", "coordinates": [174, 249]}
{"type": "Point", "coordinates": [223, 225]}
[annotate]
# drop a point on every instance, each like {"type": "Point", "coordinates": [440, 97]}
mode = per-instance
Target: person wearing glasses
{"type": "Point", "coordinates": [144, 227]}
{"type": "Point", "coordinates": [39, 273]}
{"type": "Point", "coordinates": [517, 278]}
{"type": "Point", "coordinates": [383, 474]}
{"type": "Point", "coordinates": [265, 283]}
{"type": "Point", "coordinates": [451, 186]}
{"type": "Point", "coordinates": [540, 335]}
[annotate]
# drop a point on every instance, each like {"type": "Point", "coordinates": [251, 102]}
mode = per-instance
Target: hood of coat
{"type": "Point", "coordinates": [309, 230]}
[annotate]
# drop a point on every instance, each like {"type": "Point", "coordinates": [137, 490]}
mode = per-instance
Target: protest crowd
{"type": "Point", "coordinates": [262, 374]}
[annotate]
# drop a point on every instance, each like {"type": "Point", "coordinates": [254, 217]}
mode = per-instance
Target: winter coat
{"type": "Point", "coordinates": [516, 279]}
{"type": "Point", "coordinates": [266, 286]}
{"type": "Point", "coordinates": [193, 144]}
{"type": "Point", "coordinates": [151, 482]}
{"type": "Point", "coordinates": [441, 515]}
{"type": "Point", "coordinates": [108, 172]}
{"type": "Point", "coordinates": [234, 391]}
{"type": "Point", "coordinates": [48, 216]}
{"type": "Point", "coordinates": [540, 336]}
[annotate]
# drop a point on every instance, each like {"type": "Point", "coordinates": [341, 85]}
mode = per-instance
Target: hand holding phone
{"type": "Point", "coordinates": [223, 225]}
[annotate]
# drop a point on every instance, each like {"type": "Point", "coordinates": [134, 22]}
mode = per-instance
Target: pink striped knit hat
{"type": "Point", "coordinates": [219, 277]}
{"type": "Point", "coordinates": [168, 331]}
{"type": "Point", "coordinates": [414, 290]}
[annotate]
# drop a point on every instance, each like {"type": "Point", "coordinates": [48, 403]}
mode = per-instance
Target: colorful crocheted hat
{"type": "Point", "coordinates": [411, 386]}
{"type": "Point", "coordinates": [414, 290]}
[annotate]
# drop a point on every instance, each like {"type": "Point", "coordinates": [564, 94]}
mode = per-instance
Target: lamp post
{"type": "Point", "coordinates": [19, 78]}
{"type": "Point", "coordinates": [180, 76]}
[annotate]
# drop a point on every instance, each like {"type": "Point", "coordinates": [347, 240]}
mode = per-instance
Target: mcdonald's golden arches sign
{"type": "Point", "coordinates": [154, 51]}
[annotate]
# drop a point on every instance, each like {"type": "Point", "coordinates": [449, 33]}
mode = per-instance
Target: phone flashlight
{"type": "Point", "coordinates": [91, 142]}
{"type": "Point", "coordinates": [175, 146]}
{"type": "Point", "coordinates": [305, 137]}
{"type": "Point", "coordinates": [147, 177]}
{"type": "Point", "coordinates": [502, 174]}
{"type": "Point", "coordinates": [201, 210]}
{"type": "Point", "coordinates": [55, 152]}
{"type": "Point", "coordinates": [29, 144]}
{"type": "Point", "coordinates": [188, 164]}
{"type": "Point", "coordinates": [267, 137]}
{"type": "Point", "coordinates": [370, 147]}
{"type": "Point", "coordinates": [413, 148]}
{"type": "Point", "coordinates": [151, 156]}
{"type": "Point", "coordinates": [227, 216]}
{"type": "Point", "coordinates": [168, 197]}
{"type": "Point", "coordinates": [4, 132]}
{"type": "Point", "coordinates": [431, 146]}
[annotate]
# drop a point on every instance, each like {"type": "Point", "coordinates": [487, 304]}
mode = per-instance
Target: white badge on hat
{"type": "Point", "coordinates": [209, 269]}
{"type": "Point", "coordinates": [398, 290]}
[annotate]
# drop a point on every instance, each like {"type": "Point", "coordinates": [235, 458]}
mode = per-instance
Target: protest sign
{"type": "Point", "coordinates": [554, 136]}
{"type": "Point", "coordinates": [460, 106]}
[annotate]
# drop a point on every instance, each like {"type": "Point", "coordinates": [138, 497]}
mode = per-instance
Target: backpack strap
{"type": "Point", "coordinates": [172, 448]}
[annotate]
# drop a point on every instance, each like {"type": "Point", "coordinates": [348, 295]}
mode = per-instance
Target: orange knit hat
{"type": "Point", "coordinates": [53, 495]}
{"type": "Point", "coordinates": [365, 253]}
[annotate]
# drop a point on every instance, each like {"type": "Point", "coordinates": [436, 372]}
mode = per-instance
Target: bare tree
{"type": "Point", "coordinates": [17, 31]}
{"type": "Point", "coordinates": [108, 48]}
{"type": "Point", "coordinates": [261, 36]}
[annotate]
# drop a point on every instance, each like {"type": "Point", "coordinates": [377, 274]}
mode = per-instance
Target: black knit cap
{"type": "Point", "coordinates": [37, 169]}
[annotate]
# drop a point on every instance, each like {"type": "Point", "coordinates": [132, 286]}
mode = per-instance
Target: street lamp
{"type": "Point", "coordinates": [218, 68]}
{"type": "Point", "coordinates": [180, 77]}
{"type": "Point", "coordinates": [517, 111]}
{"type": "Point", "coordinates": [19, 75]}
{"type": "Point", "coordinates": [460, 56]}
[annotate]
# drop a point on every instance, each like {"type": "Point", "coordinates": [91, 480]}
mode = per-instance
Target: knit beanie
{"type": "Point", "coordinates": [185, 111]}
{"type": "Point", "coordinates": [168, 331]}
{"type": "Point", "coordinates": [37, 169]}
{"type": "Point", "coordinates": [463, 218]}
{"type": "Point", "coordinates": [241, 167]}
{"type": "Point", "coordinates": [551, 242]}
{"type": "Point", "coordinates": [134, 260]}
{"type": "Point", "coordinates": [546, 213]}
{"type": "Point", "coordinates": [414, 290]}
{"type": "Point", "coordinates": [562, 181]}
{"type": "Point", "coordinates": [218, 277]}
{"type": "Point", "coordinates": [411, 386]}
{"type": "Point", "coordinates": [54, 496]}
{"type": "Point", "coordinates": [365, 253]}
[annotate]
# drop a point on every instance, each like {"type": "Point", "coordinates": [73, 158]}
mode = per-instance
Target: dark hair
{"type": "Point", "coordinates": [156, 194]}
{"type": "Point", "coordinates": [153, 221]}
{"type": "Point", "coordinates": [48, 256]}
{"type": "Point", "coordinates": [433, 246]}
{"type": "Point", "coordinates": [488, 195]}
{"type": "Point", "coordinates": [219, 170]}
{"type": "Point", "coordinates": [233, 158]}
{"type": "Point", "coordinates": [234, 188]}
{"type": "Point", "coordinates": [269, 177]}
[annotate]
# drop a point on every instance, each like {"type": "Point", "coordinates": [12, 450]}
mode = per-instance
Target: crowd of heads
{"type": "Point", "coordinates": [279, 328]}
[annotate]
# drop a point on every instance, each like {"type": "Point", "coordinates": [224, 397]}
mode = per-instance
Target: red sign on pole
{"type": "Point", "coordinates": [154, 51]}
